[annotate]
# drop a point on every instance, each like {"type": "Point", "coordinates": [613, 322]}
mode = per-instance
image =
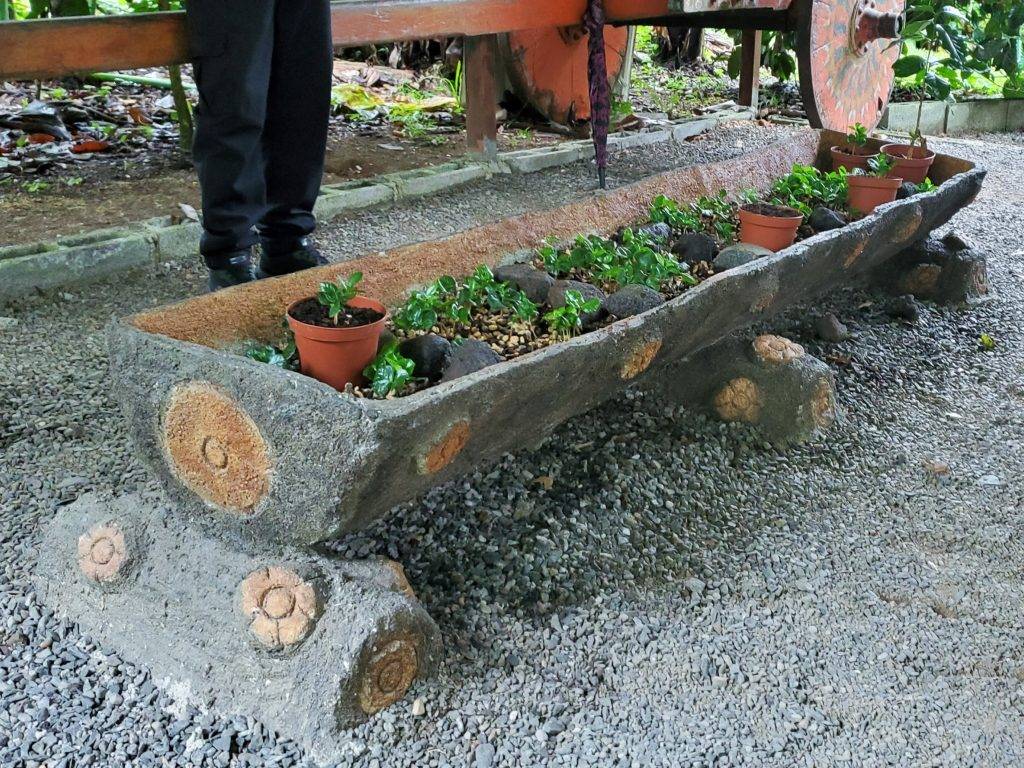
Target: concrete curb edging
{"type": "Point", "coordinates": [975, 116]}
{"type": "Point", "coordinates": [91, 256]}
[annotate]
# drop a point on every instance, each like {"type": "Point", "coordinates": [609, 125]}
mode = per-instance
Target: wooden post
{"type": "Point", "coordinates": [480, 57]}
{"type": "Point", "coordinates": [750, 67]}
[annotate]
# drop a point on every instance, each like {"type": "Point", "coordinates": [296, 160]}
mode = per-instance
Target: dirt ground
{"type": "Point", "coordinates": [138, 191]}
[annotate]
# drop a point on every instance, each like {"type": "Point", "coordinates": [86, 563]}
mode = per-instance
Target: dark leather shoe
{"type": "Point", "coordinates": [231, 270]}
{"type": "Point", "coordinates": [284, 258]}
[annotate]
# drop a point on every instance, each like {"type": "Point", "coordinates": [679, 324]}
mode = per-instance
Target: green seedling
{"type": "Point", "coordinates": [857, 138]}
{"type": "Point", "coordinates": [335, 296]}
{"type": "Point", "coordinates": [566, 322]}
{"type": "Point", "coordinates": [424, 308]}
{"type": "Point", "coordinates": [805, 187]}
{"type": "Point", "coordinates": [881, 165]}
{"type": "Point", "coordinates": [986, 342]}
{"type": "Point", "coordinates": [285, 356]}
{"type": "Point", "coordinates": [390, 372]}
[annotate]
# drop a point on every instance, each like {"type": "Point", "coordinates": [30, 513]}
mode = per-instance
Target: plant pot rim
{"type": "Point", "coordinates": [837, 149]}
{"type": "Point", "coordinates": [324, 333]}
{"type": "Point", "coordinates": [772, 221]}
{"type": "Point", "coordinates": [876, 182]}
{"type": "Point", "coordinates": [927, 156]}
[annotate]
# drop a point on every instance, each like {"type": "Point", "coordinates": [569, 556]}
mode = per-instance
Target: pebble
{"type": "Point", "coordinates": [828, 327]}
{"type": "Point", "coordinates": [738, 254]}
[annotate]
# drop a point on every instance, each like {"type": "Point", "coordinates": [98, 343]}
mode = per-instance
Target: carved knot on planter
{"type": "Point", "coordinates": [639, 359]}
{"type": "Point", "coordinates": [979, 279]}
{"type": "Point", "coordinates": [102, 553]}
{"type": "Point", "coordinates": [215, 448]}
{"type": "Point", "coordinates": [776, 350]}
{"type": "Point", "coordinates": [279, 605]}
{"type": "Point", "coordinates": [922, 280]}
{"type": "Point", "coordinates": [823, 404]}
{"type": "Point", "coordinates": [739, 400]}
{"type": "Point", "coordinates": [401, 581]}
{"type": "Point", "coordinates": [390, 670]}
{"type": "Point", "coordinates": [443, 452]}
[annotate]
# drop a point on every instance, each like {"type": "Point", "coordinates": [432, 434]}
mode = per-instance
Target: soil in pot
{"type": "Point", "coordinates": [771, 226]}
{"type": "Point", "coordinates": [910, 163]}
{"type": "Point", "coordinates": [336, 354]}
{"type": "Point", "coordinates": [843, 157]}
{"type": "Point", "coordinates": [868, 192]}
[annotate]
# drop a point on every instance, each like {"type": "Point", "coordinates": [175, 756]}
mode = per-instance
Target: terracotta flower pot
{"type": "Point", "coordinates": [337, 356]}
{"type": "Point", "coordinates": [843, 159]}
{"type": "Point", "coordinates": [910, 166]}
{"type": "Point", "coordinates": [770, 226]}
{"type": "Point", "coordinates": [868, 192]}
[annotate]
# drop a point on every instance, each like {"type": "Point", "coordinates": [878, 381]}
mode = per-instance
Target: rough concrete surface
{"type": "Point", "coordinates": [648, 587]}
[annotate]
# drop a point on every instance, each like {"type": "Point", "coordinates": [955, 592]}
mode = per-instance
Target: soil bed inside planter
{"type": "Point", "coordinates": [312, 312]}
{"type": "Point", "coordinates": [767, 209]}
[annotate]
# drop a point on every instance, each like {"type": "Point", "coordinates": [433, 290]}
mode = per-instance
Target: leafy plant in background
{"type": "Point", "coordinates": [640, 262]}
{"type": "Point", "coordinates": [335, 296]}
{"type": "Point", "coordinates": [566, 322]}
{"type": "Point", "coordinates": [880, 165]}
{"type": "Point", "coordinates": [390, 372]}
{"type": "Point", "coordinates": [709, 213]}
{"type": "Point", "coordinates": [934, 29]}
{"type": "Point", "coordinates": [996, 34]}
{"type": "Point", "coordinates": [776, 53]}
{"type": "Point", "coordinates": [425, 307]}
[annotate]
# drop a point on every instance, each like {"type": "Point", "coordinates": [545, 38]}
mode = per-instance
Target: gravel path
{"type": "Point", "coordinates": [682, 595]}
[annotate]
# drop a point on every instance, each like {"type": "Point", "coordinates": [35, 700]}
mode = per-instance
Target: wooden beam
{"type": "Point", "coordinates": [55, 47]}
{"type": "Point", "coordinates": [750, 67]}
{"type": "Point", "coordinates": [480, 57]}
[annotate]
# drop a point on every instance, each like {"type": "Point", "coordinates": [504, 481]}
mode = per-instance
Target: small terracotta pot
{"type": "Point", "coordinates": [914, 168]}
{"type": "Point", "coordinates": [847, 160]}
{"type": "Point", "coordinates": [771, 232]}
{"type": "Point", "coordinates": [337, 356]}
{"type": "Point", "coordinates": [868, 192]}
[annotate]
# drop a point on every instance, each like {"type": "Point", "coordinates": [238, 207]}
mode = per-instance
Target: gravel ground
{"type": "Point", "coordinates": [681, 595]}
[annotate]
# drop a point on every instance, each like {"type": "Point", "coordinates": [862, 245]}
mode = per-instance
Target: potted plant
{"type": "Point", "coordinates": [855, 153]}
{"type": "Point", "coordinates": [768, 225]}
{"type": "Point", "coordinates": [930, 28]}
{"type": "Point", "coordinates": [868, 190]}
{"type": "Point", "coordinates": [337, 331]}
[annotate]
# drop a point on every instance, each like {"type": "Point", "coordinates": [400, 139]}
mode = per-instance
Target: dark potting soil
{"type": "Point", "coordinates": [767, 209]}
{"type": "Point", "coordinates": [312, 312]}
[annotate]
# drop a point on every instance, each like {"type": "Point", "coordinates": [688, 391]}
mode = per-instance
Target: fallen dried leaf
{"type": "Point", "coordinates": [547, 482]}
{"type": "Point", "coordinates": [92, 145]}
{"type": "Point", "coordinates": [40, 138]}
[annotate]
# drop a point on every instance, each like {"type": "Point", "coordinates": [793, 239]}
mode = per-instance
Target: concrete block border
{"type": "Point", "coordinates": [51, 264]}
{"type": "Point", "coordinates": [974, 116]}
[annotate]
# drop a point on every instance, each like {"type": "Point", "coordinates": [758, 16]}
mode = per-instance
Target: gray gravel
{"type": "Point", "coordinates": [647, 588]}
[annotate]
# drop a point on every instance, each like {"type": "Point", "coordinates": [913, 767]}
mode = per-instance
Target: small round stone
{"type": "Point", "coordinates": [739, 400]}
{"type": "Point", "coordinates": [777, 350]}
{"type": "Point", "coordinates": [279, 605]}
{"type": "Point", "coordinates": [102, 554]}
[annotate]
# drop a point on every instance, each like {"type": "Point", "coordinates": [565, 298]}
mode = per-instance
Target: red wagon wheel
{"type": "Point", "coordinates": [846, 52]}
{"type": "Point", "coordinates": [547, 68]}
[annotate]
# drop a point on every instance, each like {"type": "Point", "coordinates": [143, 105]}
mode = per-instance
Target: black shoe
{"type": "Point", "coordinates": [227, 271]}
{"type": "Point", "coordinates": [292, 256]}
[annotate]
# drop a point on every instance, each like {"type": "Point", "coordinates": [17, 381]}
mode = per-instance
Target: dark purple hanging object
{"type": "Point", "coordinates": [600, 97]}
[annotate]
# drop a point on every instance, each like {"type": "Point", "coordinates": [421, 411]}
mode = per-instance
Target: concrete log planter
{"type": "Point", "coordinates": [257, 454]}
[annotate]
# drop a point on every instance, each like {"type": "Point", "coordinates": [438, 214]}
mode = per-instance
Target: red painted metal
{"type": "Point", "coordinates": [549, 69]}
{"type": "Point", "coordinates": [842, 82]}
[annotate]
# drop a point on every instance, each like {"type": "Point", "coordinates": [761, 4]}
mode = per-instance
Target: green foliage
{"type": "Point", "coordinates": [566, 322]}
{"type": "Point", "coordinates": [335, 296]}
{"type": "Point", "coordinates": [881, 165]}
{"type": "Point", "coordinates": [858, 136]}
{"type": "Point", "coordinates": [715, 214]}
{"type": "Point", "coordinates": [390, 372]}
{"type": "Point", "coordinates": [805, 187]}
{"type": "Point", "coordinates": [283, 356]}
{"type": "Point", "coordinates": [926, 186]}
{"type": "Point", "coordinates": [588, 252]}
{"type": "Point", "coordinates": [640, 261]}
{"type": "Point", "coordinates": [776, 54]}
{"type": "Point", "coordinates": [446, 299]}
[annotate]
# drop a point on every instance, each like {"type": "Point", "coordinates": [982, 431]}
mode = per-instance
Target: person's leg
{"type": "Point", "coordinates": [295, 134]}
{"type": "Point", "coordinates": [232, 47]}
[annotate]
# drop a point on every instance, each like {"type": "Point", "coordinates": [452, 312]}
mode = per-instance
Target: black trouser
{"type": "Point", "coordinates": [263, 69]}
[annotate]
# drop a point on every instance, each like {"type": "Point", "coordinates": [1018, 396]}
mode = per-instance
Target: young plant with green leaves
{"type": "Point", "coordinates": [425, 307]}
{"type": "Point", "coordinates": [640, 261]}
{"type": "Point", "coordinates": [857, 139]}
{"type": "Point", "coordinates": [805, 187]}
{"type": "Point", "coordinates": [588, 252]}
{"type": "Point", "coordinates": [880, 166]}
{"type": "Point", "coordinates": [566, 322]}
{"type": "Point", "coordinates": [336, 296]}
{"type": "Point", "coordinates": [483, 290]}
{"type": "Point", "coordinates": [447, 300]}
{"type": "Point", "coordinates": [284, 356]}
{"type": "Point", "coordinates": [390, 372]}
{"type": "Point", "coordinates": [714, 214]}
